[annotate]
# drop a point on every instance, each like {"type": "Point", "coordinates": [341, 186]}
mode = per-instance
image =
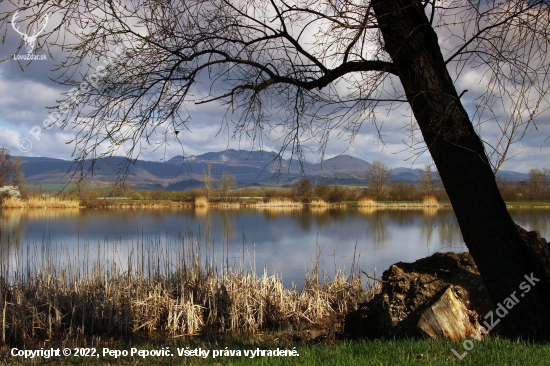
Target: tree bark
{"type": "Point", "coordinates": [503, 252]}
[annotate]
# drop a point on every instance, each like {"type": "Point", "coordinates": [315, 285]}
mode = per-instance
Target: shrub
{"type": "Point", "coordinates": [9, 191]}
{"type": "Point", "coordinates": [201, 201]}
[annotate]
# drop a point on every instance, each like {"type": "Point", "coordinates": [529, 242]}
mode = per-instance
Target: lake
{"type": "Point", "coordinates": [282, 240]}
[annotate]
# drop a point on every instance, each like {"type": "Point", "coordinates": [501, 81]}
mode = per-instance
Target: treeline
{"type": "Point", "coordinates": [536, 187]}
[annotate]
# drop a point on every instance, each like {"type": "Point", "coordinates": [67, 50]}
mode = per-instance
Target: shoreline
{"type": "Point", "coordinates": [163, 204]}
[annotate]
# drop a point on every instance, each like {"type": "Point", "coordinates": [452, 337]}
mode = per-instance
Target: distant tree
{"type": "Point", "coordinates": [207, 181]}
{"type": "Point", "coordinates": [400, 191]}
{"type": "Point", "coordinates": [82, 188]}
{"type": "Point", "coordinates": [428, 183]}
{"type": "Point", "coordinates": [159, 192]}
{"type": "Point", "coordinates": [377, 175]}
{"type": "Point", "coordinates": [6, 167]}
{"type": "Point", "coordinates": [226, 184]}
{"type": "Point", "coordinates": [304, 190]}
{"type": "Point", "coordinates": [322, 191]}
{"type": "Point", "coordinates": [120, 189]}
{"type": "Point", "coordinates": [539, 181]}
{"type": "Point", "coordinates": [337, 193]}
{"type": "Point", "coordinates": [508, 190]}
{"type": "Point", "coordinates": [18, 179]}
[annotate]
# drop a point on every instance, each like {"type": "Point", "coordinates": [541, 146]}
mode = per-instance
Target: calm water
{"type": "Point", "coordinates": [283, 240]}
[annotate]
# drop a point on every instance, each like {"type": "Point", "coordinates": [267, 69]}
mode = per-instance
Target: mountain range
{"type": "Point", "coordinates": [249, 168]}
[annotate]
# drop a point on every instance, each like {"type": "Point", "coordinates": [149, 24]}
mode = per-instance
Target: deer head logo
{"type": "Point", "coordinates": [30, 42]}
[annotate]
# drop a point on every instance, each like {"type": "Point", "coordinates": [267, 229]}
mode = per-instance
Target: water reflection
{"type": "Point", "coordinates": [283, 239]}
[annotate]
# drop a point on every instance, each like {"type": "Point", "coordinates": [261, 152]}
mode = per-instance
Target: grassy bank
{"type": "Point", "coordinates": [492, 351]}
{"type": "Point", "coordinates": [122, 203]}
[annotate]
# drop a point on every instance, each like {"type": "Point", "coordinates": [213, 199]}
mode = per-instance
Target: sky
{"type": "Point", "coordinates": [26, 90]}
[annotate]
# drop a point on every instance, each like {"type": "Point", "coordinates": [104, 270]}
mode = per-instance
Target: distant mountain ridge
{"type": "Point", "coordinates": [256, 167]}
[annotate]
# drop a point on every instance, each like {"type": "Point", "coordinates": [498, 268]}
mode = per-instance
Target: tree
{"type": "Point", "coordinates": [226, 184]}
{"type": "Point", "coordinates": [18, 179]}
{"type": "Point", "coordinates": [378, 175]}
{"type": "Point", "coordinates": [82, 188]}
{"type": "Point", "coordinates": [6, 167]}
{"type": "Point", "coordinates": [322, 191]}
{"type": "Point", "coordinates": [207, 180]}
{"type": "Point", "coordinates": [539, 181]}
{"type": "Point", "coordinates": [304, 189]}
{"type": "Point", "coordinates": [120, 189]}
{"type": "Point", "coordinates": [427, 182]}
{"type": "Point", "coordinates": [260, 56]}
{"type": "Point", "coordinates": [337, 193]}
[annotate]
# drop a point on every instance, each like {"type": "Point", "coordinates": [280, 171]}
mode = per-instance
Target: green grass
{"type": "Point", "coordinates": [528, 203]}
{"type": "Point", "coordinates": [493, 351]}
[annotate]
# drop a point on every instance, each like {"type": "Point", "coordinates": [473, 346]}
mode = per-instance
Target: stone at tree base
{"type": "Point", "coordinates": [409, 289]}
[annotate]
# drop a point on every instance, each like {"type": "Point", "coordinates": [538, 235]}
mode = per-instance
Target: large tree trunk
{"type": "Point", "coordinates": [503, 252]}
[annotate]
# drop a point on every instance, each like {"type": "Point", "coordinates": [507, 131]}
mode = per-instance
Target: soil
{"type": "Point", "coordinates": [407, 289]}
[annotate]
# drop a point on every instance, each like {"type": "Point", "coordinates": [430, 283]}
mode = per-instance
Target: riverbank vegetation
{"type": "Point", "coordinates": [426, 192]}
{"type": "Point", "coordinates": [173, 288]}
{"type": "Point", "coordinates": [41, 201]}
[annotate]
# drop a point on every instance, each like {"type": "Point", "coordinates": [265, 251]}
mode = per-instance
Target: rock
{"type": "Point", "coordinates": [439, 296]}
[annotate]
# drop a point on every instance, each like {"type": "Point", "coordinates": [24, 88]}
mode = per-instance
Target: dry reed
{"type": "Point", "coordinates": [228, 205]}
{"type": "Point", "coordinates": [40, 202]}
{"type": "Point", "coordinates": [47, 298]}
{"type": "Point", "coordinates": [367, 202]}
{"type": "Point", "coordinates": [319, 203]}
{"type": "Point", "coordinates": [201, 201]}
{"type": "Point", "coordinates": [276, 202]}
{"type": "Point", "coordinates": [430, 201]}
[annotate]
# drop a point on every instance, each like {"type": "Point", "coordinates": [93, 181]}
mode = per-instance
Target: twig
{"type": "Point", "coordinates": [373, 278]}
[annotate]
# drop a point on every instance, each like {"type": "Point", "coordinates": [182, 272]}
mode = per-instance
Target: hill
{"type": "Point", "coordinates": [256, 167]}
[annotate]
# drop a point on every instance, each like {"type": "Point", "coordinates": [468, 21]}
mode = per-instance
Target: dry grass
{"type": "Point", "coordinates": [276, 202]}
{"type": "Point", "coordinates": [43, 298]}
{"type": "Point", "coordinates": [430, 201]}
{"type": "Point", "coordinates": [228, 205]}
{"type": "Point", "coordinates": [201, 201]}
{"type": "Point", "coordinates": [319, 203]}
{"type": "Point", "coordinates": [367, 202]}
{"type": "Point", "coordinates": [40, 202]}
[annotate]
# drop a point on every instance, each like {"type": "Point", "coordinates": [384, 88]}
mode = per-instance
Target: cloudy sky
{"type": "Point", "coordinates": [26, 91]}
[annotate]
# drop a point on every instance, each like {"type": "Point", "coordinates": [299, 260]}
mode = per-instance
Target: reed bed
{"type": "Point", "coordinates": [46, 298]}
{"type": "Point", "coordinates": [40, 202]}
{"type": "Point", "coordinates": [412, 205]}
{"type": "Point", "coordinates": [367, 202]}
{"type": "Point", "coordinates": [228, 205]}
{"type": "Point", "coordinates": [276, 202]}
{"type": "Point", "coordinates": [201, 201]}
{"type": "Point", "coordinates": [319, 203]}
{"type": "Point", "coordinates": [430, 201]}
